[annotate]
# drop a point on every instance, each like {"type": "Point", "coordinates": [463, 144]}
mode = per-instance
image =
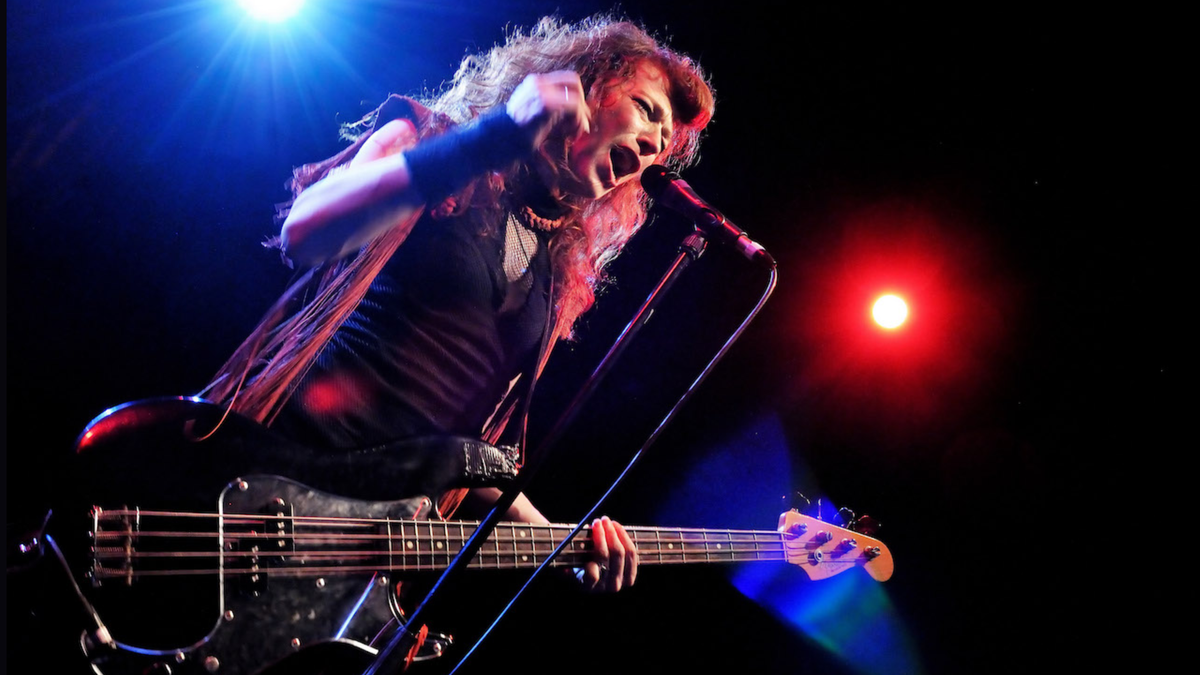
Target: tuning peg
{"type": "Point", "coordinates": [797, 529]}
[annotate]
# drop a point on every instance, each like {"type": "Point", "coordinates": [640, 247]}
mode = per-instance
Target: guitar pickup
{"type": "Point", "coordinates": [257, 533]}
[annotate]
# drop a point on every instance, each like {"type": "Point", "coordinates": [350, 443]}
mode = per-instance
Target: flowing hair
{"type": "Point", "coordinates": [604, 51]}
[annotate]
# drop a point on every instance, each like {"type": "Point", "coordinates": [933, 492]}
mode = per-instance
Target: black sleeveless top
{"type": "Point", "coordinates": [428, 350]}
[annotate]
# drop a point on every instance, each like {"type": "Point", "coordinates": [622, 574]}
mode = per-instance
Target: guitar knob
{"type": "Point", "coordinates": [849, 543]}
{"type": "Point", "coordinates": [823, 537]}
{"type": "Point", "coordinates": [872, 552]}
{"type": "Point", "coordinates": [797, 529]}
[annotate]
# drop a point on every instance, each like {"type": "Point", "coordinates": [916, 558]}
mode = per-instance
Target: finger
{"type": "Point", "coordinates": [583, 118]}
{"type": "Point", "coordinates": [631, 554]}
{"type": "Point", "coordinates": [595, 569]}
{"type": "Point", "coordinates": [566, 90]}
{"type": "Point", "coordinates": [592, 576]}
{"type": "Point", "coordinates": [616, 555]}
{"type": "Point", "coordinates": [580, 112]}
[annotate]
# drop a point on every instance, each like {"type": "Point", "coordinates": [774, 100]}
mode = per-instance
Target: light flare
{"type": "Point", "coordinates": [890, 311]}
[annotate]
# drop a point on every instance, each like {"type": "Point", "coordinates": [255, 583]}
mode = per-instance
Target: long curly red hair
{"type": "Point", "coordinates": [260, 375]}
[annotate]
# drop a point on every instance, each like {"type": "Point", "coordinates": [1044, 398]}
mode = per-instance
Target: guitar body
{"type": "Point", "coordinates": [166, 450]}
{"type": "Point", "coordinates": [178, 539]}
{"type": "Point", "coordinates": [267, 594]}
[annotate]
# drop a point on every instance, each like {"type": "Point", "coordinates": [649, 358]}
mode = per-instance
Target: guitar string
{"type": "Point", "coordinates": [410, 566]}
{"type": "Point", "coordinates": [711, 547]}
{"type": "Point", "coordinates": [774, 544]}
{"type": "Point", "coordinates": [118, 554]}
{"type": "Point", "coordinates": [334, 536]}
{"type": "Point", "coordinates": [444, 531]}
{"type": "Point", "coordinates": [331, 520]}
{"type": "Point", "coordinates": [431, 560]}
{"type": "Point", "coordinates": [349, 569]}
{"type": "Point", "coordinates": [718, 539]}
{"type": "Point", "coordinates": [730, 540]}
{"type": "Point", "coordinates": [749, 547]}
{"type": "Point", "coordinates": [692, 548]}
{"type": "Point", "coordinates": [435, 530]}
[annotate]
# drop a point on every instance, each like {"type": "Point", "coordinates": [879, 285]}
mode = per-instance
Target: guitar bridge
{"type": "Point", "coordinates": [114, 544]}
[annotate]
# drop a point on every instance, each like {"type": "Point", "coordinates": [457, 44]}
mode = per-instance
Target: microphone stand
{"type": "Point", "coordinates": [391, 659]}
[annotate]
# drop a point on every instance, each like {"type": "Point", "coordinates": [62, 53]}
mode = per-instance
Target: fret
{"type": "Point", "coordinates": [742, 546]}
{"type": "Point", "coordinates": [444, 544]}
{"type": "Point", "coordinates": [658, 544]}
{"type": "Point", "coordinates": [693, 545]}
{"type": "Point", "coordinates": [673, 550]}
{"type": "Point", "coordinates": [576, 552]}
{"type": "Point", "coordinates": [425, 545]}
{"type": "Point", "coordinates": [496, 541]}
{"type": "Point", "coordinates": [521, 546]}
{"type": "Point", "coordinates": [774, 542]}
{"type": "Point", "coordinates": [462, 538]}
{"type": "Point", "coordinates": [405, 545]}
{"type": "Point", "coordinates": [390, 554]}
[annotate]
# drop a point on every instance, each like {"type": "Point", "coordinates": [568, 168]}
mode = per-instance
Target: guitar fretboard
{"type": "Point", "coordinates": [149, 543]}
{"type": "Point", "coordinates": [431, 545]}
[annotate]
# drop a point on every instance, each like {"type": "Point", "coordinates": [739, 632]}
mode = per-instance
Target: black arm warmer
{"type": "Point", "coordinates": [441, 165]}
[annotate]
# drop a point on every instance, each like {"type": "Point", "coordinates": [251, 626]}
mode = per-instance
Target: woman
{"type": "Point", "coordinates": [455, 240]}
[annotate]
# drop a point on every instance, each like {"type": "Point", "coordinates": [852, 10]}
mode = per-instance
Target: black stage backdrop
{"type": "Point", "coordinates": [991, 165]}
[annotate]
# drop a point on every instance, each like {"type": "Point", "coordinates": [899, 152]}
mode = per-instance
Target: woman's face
{"type": "Point", "coordinates": [630, 129]}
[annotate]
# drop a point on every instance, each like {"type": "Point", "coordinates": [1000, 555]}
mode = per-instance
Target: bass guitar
{"type": "Point", "coordinates": [192, 553]}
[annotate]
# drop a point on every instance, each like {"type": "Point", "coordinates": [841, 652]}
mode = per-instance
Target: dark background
{"type": "Point", "coordinates": [989, 165]}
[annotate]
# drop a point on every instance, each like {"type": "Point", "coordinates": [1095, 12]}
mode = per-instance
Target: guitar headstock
{"type": "Point", "coordinates": [822, 549]}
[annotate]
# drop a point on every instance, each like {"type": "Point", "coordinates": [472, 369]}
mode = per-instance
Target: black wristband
{"type": "Point", "coordinates": [441, 165]}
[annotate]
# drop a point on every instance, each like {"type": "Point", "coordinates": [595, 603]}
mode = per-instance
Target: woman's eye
{"type": "Point", "coordinates": [643, 104]}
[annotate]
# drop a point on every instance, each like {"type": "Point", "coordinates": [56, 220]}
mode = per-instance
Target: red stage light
{"type": "Point", "coordinates": [889, 311]}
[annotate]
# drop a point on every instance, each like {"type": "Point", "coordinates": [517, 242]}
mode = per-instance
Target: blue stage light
{"type": "Point", "coordinates": [273, 11]}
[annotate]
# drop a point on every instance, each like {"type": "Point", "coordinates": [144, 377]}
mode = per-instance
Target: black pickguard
{"type": "Point", "coordinates": [263, 605]}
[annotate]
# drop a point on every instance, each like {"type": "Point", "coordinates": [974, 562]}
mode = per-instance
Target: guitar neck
{"type": "Point", "coordinates": [424, 545]}
{"type": "Point", "coordinates": [135, 543]}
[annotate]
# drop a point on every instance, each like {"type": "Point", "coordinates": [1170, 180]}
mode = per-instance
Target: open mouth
{"type": "Point", "coordinates": [624, 161]}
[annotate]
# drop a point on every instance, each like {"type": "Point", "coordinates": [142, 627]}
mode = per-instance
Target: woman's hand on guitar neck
{"type": "Point", "coordinates": [615, 558]}
{"type": "Point", "coordinates": [614, 555]}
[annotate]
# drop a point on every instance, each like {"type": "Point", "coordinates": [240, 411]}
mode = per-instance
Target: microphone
{"type": "Point", "coordinates": [668, 189]}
